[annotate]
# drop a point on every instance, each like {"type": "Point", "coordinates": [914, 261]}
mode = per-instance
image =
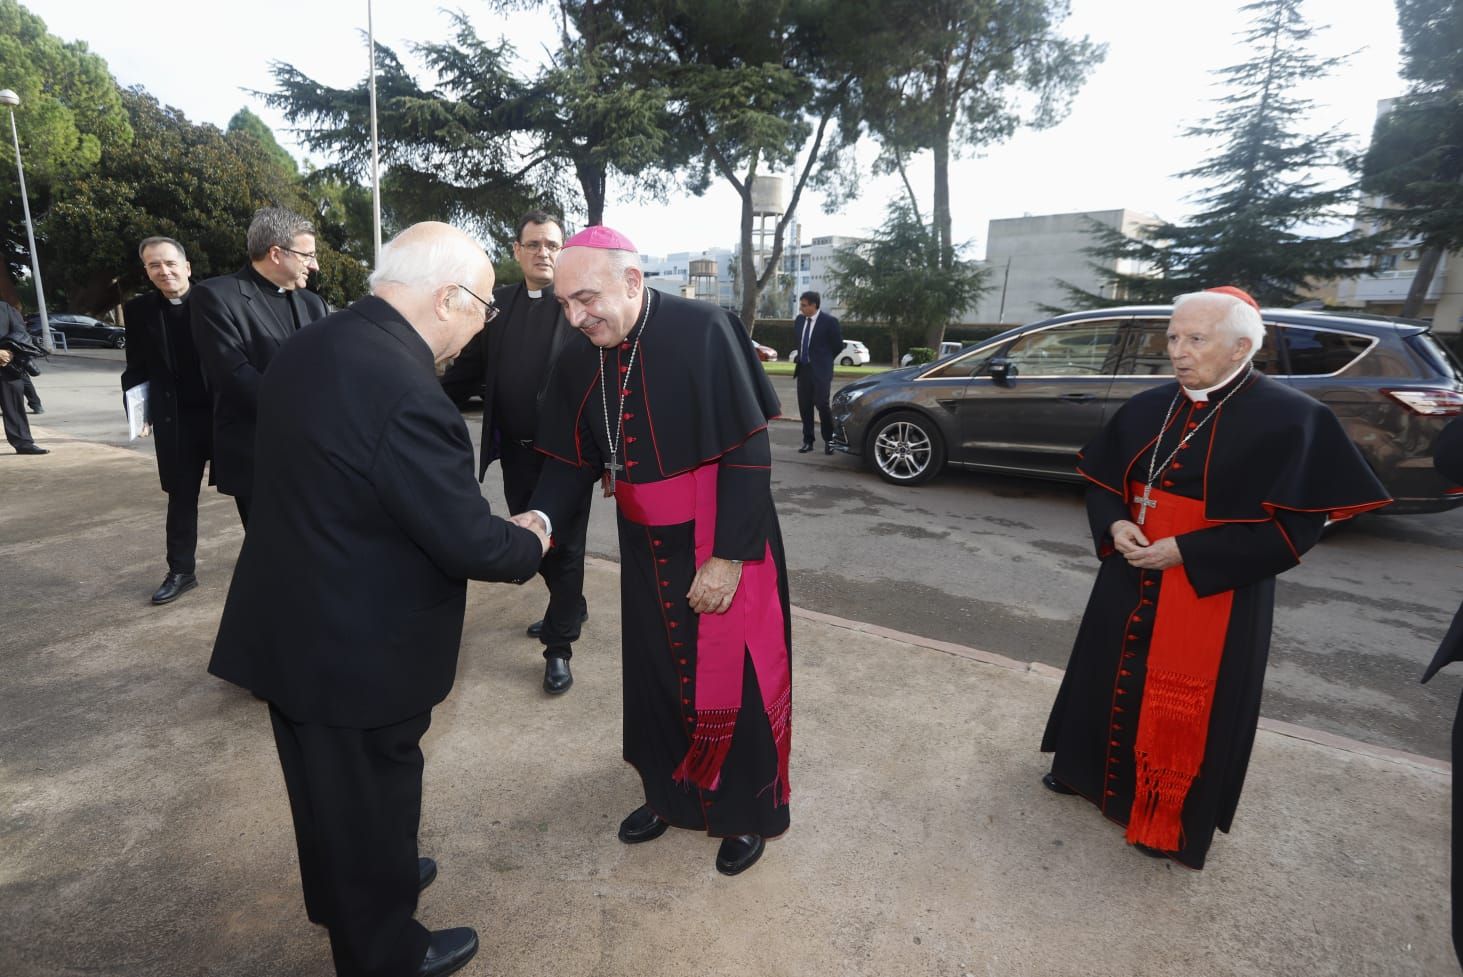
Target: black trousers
{"type": "Point", "coordinates": [563, 567]}
{"type": "Point", "coordinates": [241, 502]}
{"type": "Point", "coordinates": [812, 393]}
{"type": "Point", "coordinates": [356, 798]}
{"type": "Point", "coordinates": [12, 405]}
{"type": "Point", "coordinates": [28, 387]}
{"type": "Point", "coordinates": [185, 479]}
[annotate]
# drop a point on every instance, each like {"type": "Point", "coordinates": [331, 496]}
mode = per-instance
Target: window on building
{"type": "Point", "coordinates": [1387, 262]}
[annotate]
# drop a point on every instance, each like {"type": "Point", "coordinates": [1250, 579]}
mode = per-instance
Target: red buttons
{"type": "Point", "coordinates": [1132, 637]}
{"type": "Point", "coordinates": [663, 561]}
{"type": "Point", "coordinates": [683, 661]}
{"type": "Point", "coordinates": [673, 624]}
{"type": "Point", "coordinates": [624, 369]}
{"type": "Point", "coordinates": [1200, 406]}
{"type": "Point", "coordinates": [629, 439]}
{"type": "Point", "coordinates": [665, 583]}
{"type": "Point", "coordinates": [1146, 583]}
{"type": "Point", "coordinates": [685, 702]}
{"type": "Point", "coordinates": [1124, 672]}
{"type": "Point", "coordinates": [1130, 654]}
{"type": "Point", "coordinates": [1122, 691]}
{"type": "Point", "coordinates": [1111, 793]}
{"type": "Point", "coordinates": [669, 604]}
{"type": "Point", "coordinates": [1112, 776]}
{"type": "Point", "coordinates": [655, 542]}
{"type": "Point", "coordinates": [1177, 466]}
{"type": "Point", "coordinates": [1184, 446]}
{"type": "Point", "coordinates": [625, 391]}
{"type": "Point", "coordinates": [630, 464]}
{"type": "Point", "coordinates": [1193, 425]}
{"type": "Point", "coordinates": [685, 680]}
{"type": "Point", "coordinates": [625, 345]}
{"type": "Point", "coordinates": [1118, 709]}
{"type": "Point", "coordinates": [1144, 601]}
{"type": "Point", "coordinates": [1137, 619]}
{"type": "Point", "coordinates": [1168, 483]}
{"type": "Point", "coordinates": [629, 416]}
{"type": "Point", "coordinates": [678, 644]}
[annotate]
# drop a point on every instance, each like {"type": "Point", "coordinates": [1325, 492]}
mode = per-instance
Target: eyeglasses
{"type": "Point", "coordinates": [307, 255]}
{"type": "Point", "coordinates": [541, 247]}
{"type": "Point", "coordinates": [490, 309]}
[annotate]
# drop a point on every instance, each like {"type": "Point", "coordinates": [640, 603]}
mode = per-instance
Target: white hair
{"type": "Point", "coordinates": [1240, 319]}
{"type": "Point", "coordinates": [427, 262]}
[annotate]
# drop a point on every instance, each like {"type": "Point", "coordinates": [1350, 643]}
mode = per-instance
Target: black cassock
{"type": "Point", "coordinates": [696, 401]}
{"type": "Point", "coordinates": [1448, 458]}
{"type": "Point", "coordinates": [1262, 474]}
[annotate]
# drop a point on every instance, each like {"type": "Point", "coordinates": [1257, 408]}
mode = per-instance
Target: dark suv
{"type": "Point", "coordinates": [1027, 400]}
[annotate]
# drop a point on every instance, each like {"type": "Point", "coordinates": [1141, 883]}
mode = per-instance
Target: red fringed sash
{"type": "Point", "coordinates": [1178, 693]}
{"type": "Point", "coordinates": [754, 622]}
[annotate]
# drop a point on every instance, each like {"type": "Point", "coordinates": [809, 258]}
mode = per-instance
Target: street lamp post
{"type": "Point", "coordinates": [11, 100]}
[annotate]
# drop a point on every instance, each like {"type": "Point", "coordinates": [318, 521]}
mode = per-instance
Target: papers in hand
{"type": "Point", "coordinates": [137, 420]}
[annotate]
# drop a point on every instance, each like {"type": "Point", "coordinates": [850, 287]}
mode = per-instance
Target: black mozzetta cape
{"type": "Point", "coordinates": [697, 364]}
{"type": "Point", "coordinates": [1272, 448]}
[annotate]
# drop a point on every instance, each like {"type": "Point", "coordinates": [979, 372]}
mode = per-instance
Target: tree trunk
{"type": "Point", "coordinates": [940, 215]}
{"type": "Point", "coordinates": [1417, 294]}
{"type": "Point", "coordinates": [592, 182]}
{"type": "Point", "coordinates": [750, 291]}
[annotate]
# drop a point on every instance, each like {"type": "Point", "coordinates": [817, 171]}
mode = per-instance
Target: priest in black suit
{"type": "Point", "coordinates": [512, 362]}
{"type": "Point", "coordinates": [1448, 459]}
{"type": "Point", "coordinates": [161, 354]}
{"type": "Point", "coordinates": [239, 322]}
{"type": "Point", "coordinates": [820, 340]}
{"type": "Point", "coordinates": [346, 608]}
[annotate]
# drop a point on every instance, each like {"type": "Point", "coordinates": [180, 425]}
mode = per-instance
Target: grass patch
{"type": "Point", "coordinates": [784, 369]}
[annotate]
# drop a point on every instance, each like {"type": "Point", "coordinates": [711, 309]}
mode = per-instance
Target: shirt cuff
{"type": "Point", "coordinates": [548, 523]}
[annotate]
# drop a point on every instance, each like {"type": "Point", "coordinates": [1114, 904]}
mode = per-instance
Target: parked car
{"type": "Point", "coordinates": [765, 353]}
{"type": "Point", "coordinates": [79, 330]}
{"type": "Point", "coordinates": [947, 348]}
{"type": "Point", "coordinates": [854, 353]}
{"type": "Point", "coordinates": [1025, 402]}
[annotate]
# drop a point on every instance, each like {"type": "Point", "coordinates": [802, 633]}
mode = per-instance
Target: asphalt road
{"type": "Point", "coordinates": [1005, 565]}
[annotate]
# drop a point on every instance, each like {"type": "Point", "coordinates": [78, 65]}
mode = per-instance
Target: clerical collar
{"type": "Point", "coordinates": [177, 301]}
{"type": "Point", "coordinates": [1201, 396]}
{"type": "Point", "coordinates": [265, 285]}
{"type": "Point", "coordinates": [535, 293]}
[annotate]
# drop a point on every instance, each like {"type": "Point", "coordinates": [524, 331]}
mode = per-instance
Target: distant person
{"type": "Point", "coordinates": [161, 354]}
{"type": "Point", "coordinates": [1202, 492]}
{"type": "Point", "coordinates": [512, 363]}
{"type": "Point", "coordinates": [16, 351]}
{"type": "Point", "coordinates": [345, 612]}
{"type": "Point", "coordinates": [819, 341]}
{"type": "Point", "coordinates": [239, 322]}
{"type": "Point", "coordinates": [664, 400]}
{"type": "Point", "coordinates": [1448, 459]}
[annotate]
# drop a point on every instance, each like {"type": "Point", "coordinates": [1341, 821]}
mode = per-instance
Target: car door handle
{"type": "Point", "coordinates": [1078, 398]}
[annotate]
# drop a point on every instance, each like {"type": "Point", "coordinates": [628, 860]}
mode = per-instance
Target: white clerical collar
{"type": "Point", "coordinates": [177, 301]}
{"type": "Point", "coordinates": [535, 293]}
{"type": "Point", "coordinates": [1200, 396]}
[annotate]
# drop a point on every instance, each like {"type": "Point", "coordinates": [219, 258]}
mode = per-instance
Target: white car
{"type": "Point", "coordinates": [946, 348]}
{"type": "Point", "coordinates": [854, 353]}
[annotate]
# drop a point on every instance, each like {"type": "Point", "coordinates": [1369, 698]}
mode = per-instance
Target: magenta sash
{"type": "Point", "coordinates": [754, 622]}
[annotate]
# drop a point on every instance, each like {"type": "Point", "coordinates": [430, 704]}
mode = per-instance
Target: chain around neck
{"type": "Point", "coordinates": [617, 438]}
{"type": "Point", "coordinates": [1155, 469]}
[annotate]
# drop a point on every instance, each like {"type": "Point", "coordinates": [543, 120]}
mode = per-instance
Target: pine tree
{"type": "Point", "coordinates": [1266, 187]}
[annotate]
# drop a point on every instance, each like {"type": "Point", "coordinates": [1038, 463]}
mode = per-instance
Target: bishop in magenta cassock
{"type": "Point", "coordinates": [1201, 492]}
{"type": "Point", "coordinates": [668, 406]}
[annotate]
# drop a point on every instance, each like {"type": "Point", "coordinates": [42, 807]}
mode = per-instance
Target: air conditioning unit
{"type": "Point", "coordinates": [1409, 255]}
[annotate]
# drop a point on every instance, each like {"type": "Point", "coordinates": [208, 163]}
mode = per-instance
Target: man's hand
{"type": "Point", "coordinates": [146, 429]}
{"type": "Point", "coordinates": [714, 586]}
{"type": "Point", "coordinates": [1127, 538]}
{"type": "Point", "coordinates": [1160, 556]}
{"type": "Point", "coordinates": [533, 524]}
{"type": "Point", "coordinates": [5, 356]}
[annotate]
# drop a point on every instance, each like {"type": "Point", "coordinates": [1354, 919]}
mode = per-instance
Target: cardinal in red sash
{"type": "Point", "coordinates": [665, 403]}
{"type": "Point", "coordinates": [1200, 493]}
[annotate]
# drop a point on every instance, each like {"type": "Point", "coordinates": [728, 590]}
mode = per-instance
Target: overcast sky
{"type": "Point", "coordinates": [1119, 147]}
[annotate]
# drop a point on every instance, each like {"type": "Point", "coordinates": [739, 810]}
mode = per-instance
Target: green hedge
{"type": "Point", "coordinates": [780, 335]}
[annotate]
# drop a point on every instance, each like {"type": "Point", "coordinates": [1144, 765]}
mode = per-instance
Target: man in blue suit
{"type": "Point", "coordinates": [819, 341]}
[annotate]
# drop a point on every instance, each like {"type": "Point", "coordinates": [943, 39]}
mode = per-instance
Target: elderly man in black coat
{"type": "Point", "coordinates": [239, 323]}
{"type": "Point", "coordinates": [346, 608]}
{"type": "Point", "coordinates": [15, 344]}
{"type": "Point", "coordinates": [161, 354]}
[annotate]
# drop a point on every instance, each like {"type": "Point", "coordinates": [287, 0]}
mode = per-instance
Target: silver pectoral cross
{"type": "Point", "coordinates": [1145, 503]}
{"type": "Point", "coordinates": [611, 467]}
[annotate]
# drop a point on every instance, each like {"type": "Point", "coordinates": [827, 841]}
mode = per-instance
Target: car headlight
{"type": "Point", "coordinates": [847, 396]}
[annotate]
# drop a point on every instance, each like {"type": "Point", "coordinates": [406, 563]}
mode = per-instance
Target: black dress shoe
{"type": "Point", "coordinates": [805, 448]}
{"type": "Point", "coordinates": [447, 951]}
{"type": "Point", "coordinates": [828, 449]}
{"type": "Point", "coordinates": [37, 409]}
{"type": "Point", "coordinates": [426, 872]}
{"type": "Point", "coordinates": [557, 677]}
{"type": "Point", "coordinates": [174, 586]}
{"type": "Point", "coordinates": [643, 824]}
{"type": "Point", "coordinates": [536, 629]}
{"type": "Point", "coordinates": [739, 853]}
{"type": "Point", "coordinates": [1054, 785]}
{"type": "Point", "coordinates": [32, 449]}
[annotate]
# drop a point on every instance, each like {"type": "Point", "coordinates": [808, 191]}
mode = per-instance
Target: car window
{"type": "Point", "coordinates": [1319, 352]}
{"type": "Point", "coordinates": [1075, 349]}
{"type": "Point", "coordinates": [1147, 354]}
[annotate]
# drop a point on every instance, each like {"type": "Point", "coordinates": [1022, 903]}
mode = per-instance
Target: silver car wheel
{"type": "Point", "coordinates": [903, 451]}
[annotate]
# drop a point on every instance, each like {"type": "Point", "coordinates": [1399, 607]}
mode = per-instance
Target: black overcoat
{"type": "Point", "coordinates": [347, 602]}
{"type": "Point", "coordinates": [150, 361]}
{"type": "Point", "coordinates": [237, 336]}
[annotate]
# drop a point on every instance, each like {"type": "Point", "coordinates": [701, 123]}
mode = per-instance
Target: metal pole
{"type": "Point", "coordinates": [30, 236]}
{"type": "Point", "coordinates": [375, 146]}
{"type": "Point", "coordinates": [1001, 317]}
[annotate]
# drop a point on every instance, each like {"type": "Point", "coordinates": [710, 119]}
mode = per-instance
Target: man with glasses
{"type": "Point", "coordinates": [512, 363]}
{"type": "Point", "coordinates": [239, 323]}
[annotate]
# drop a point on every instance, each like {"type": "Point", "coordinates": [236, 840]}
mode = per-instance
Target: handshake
{"type": "Point", "coordinates": [535, 522]}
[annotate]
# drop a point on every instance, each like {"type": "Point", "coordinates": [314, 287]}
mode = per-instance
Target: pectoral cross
{"type": "Point", "coordinates": [1145, 503]}
{"type": "Point", "coordinates": [608, 479]}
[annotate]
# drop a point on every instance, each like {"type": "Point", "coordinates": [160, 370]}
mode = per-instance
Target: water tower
{"type": "Point", "coordinates": [769, 203]}
{"type": "Point", "coordinates": [703, 280]}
